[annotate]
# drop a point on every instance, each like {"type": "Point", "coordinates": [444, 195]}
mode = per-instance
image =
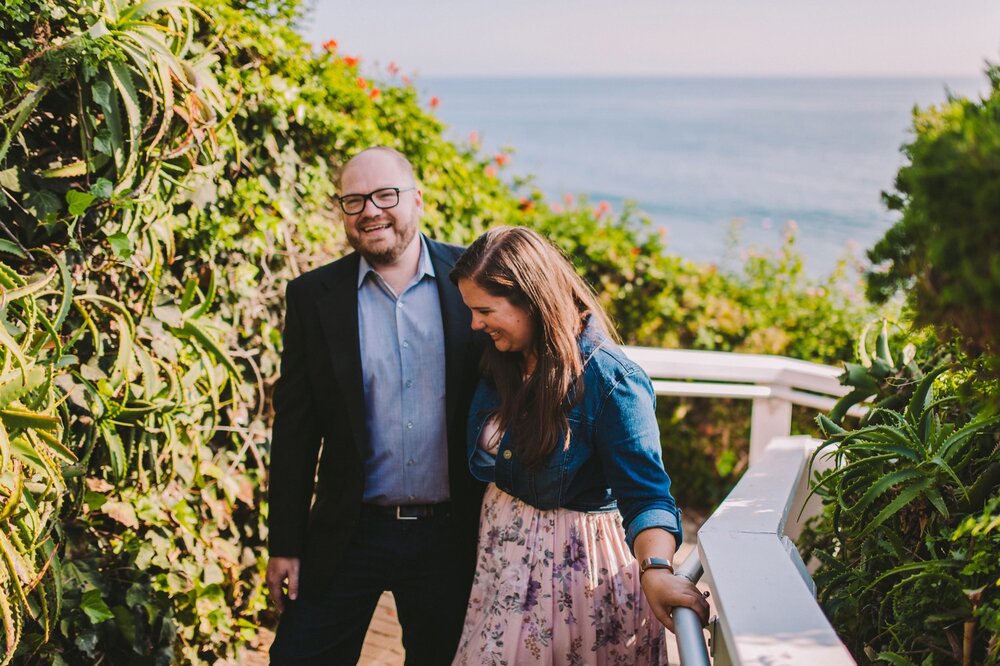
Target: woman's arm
{"type": "Point", "coordinates": [627, 438]}
{"type": "Point", "coordinates": [662, 588]}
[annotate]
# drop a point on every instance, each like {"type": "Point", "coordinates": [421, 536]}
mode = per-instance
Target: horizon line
{"type": "Point", "coordinates": [689, 75]}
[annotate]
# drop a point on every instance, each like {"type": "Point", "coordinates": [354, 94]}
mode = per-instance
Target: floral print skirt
{"type": "Point", "coordinates": [556, 587]}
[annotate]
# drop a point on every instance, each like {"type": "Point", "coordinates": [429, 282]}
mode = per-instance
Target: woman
{"type": "Point", "coordinates": [563, 428]}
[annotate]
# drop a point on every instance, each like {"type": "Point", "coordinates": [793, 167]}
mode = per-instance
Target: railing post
{"type": "Point", "coordinates": [769, 418]}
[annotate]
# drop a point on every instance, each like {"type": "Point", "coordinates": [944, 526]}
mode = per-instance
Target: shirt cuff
{"type": "Point", "coordinates": [653, 518]}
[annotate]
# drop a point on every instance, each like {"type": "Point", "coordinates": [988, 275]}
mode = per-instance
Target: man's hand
{"type": "Point", "coordinates": [279, 570]}
{"type": "Point", "coordinates": [665, 591]}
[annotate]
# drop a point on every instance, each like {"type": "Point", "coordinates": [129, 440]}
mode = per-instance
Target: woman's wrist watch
{"type": "Point", "coordinates": [654, 563]}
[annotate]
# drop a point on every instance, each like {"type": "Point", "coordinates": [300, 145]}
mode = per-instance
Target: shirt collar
{"type": "Point", "coordinates": [424, 265]}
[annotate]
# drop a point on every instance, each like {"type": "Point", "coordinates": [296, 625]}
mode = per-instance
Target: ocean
{"type": "Point", "coordinates": [704, 157]}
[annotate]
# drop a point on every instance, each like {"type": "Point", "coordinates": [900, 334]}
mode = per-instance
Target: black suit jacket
{"type": "Point", "coordinates": [320, 418]}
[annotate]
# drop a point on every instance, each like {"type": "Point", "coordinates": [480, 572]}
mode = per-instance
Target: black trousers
{"type": "Point", "coordinates": [417, 561]}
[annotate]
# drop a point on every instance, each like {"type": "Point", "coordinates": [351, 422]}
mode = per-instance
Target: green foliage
{"type": "Point", "coordinates": [906, 541]}
{"type": "Point", "coordinates": [165, 168]}
{"type": "Point", "coordinates": [944, 251]}
{"type": "Point", "coordinates": [979, 535]}
{"type": "Point", "coordinates": [32, 455]}
{"type": "Point", "coordinates": [117, 106]}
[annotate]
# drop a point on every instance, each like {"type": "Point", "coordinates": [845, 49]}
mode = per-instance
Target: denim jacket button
{"type": "Point", "coordinates": [508, 454]}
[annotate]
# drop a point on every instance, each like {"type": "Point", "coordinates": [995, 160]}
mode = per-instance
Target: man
{"type": "Point", "coordinates": [377, 370]}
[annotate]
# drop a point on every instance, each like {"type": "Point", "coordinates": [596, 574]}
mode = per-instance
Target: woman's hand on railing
{"type": "Point", "coordinates": [665, 591]}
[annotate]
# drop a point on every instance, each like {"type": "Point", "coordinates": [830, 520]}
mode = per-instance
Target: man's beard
{"type": "Point", "coordinates": [404, 235]}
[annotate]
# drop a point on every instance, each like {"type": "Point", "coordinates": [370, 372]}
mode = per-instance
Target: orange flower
{"type": "Point", "coordinates": [526, 204]}
{"type": "Point", "coordinates": [474, 138]}
{"type": "Point", "coordinates": [502, 159]}
{"type": "Point", "coordinates": [490, 171]}
{"type": "Point", "coordinates": [351, 61]}
{"type": "Point", "coordinates": [393, 68]}
{"type": "Point", "coordinates": [330, 46]}
{"type": "Point", "coordinates": [556, 208]}
{"type": "Point", "coordinates": [434, 102]}
{"type": "Point", "coordinates": [568, 199]}
{"type": "Point", "coordinates": [635, 251]}
{"type": "Point", "coordinates": [375, 92]}
{"type": "Point", "coordinates": [602, 209]}
{"type": "Point", "coordinates": [406, 81]}
{"type": "Point", "coordinates": [362, 83]}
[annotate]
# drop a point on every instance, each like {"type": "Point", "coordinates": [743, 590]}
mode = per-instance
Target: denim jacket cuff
{"type": "Point", "coordinates": [661, 518]}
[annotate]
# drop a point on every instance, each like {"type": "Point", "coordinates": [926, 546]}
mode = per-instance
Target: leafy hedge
{"type": "Point", "coordinates": [945, 251]}
{"type": "Point", "coordinates": [165, 168]}
{"type": "Point", "coordinates": [909, 538]}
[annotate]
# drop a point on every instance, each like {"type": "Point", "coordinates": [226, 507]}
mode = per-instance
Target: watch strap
{"type": "Point", "coordinates": [655, 563]}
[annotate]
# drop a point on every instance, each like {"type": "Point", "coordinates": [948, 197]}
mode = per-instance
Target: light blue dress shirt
{"type": "Point", "coordinates": [403, 368]}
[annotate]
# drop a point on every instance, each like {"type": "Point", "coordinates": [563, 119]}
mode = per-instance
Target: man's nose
{"type": "Point", "coordinates": [374, 211]}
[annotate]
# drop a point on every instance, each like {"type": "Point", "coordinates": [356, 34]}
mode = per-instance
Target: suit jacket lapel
{"type": "Point", "coordinates": [338, 312]}
{"type": "Point", "coordinates": [455, 317]}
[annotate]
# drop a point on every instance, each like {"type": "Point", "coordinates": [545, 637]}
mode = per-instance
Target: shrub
{"type": "Point", "coordinates": [944, 252]}
{"type": "Point", "coordinates": [908, 550]}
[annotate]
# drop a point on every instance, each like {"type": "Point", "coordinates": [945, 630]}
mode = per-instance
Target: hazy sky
{"type": "Point", "coordinates": [645, 37]}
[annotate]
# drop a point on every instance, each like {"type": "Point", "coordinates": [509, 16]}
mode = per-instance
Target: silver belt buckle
{"type": "Point", "coordinates": [401, 517]}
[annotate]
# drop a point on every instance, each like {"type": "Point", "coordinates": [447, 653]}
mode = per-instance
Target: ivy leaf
{"type": "Point", "coordinates": [102, 95]}
{"type": "Point", "coordinates": [93, 605]}
{"type": "Point", "coordinates": [121, 245]}
{"type": "Point", "coordinates": [125, 622]}
{"type": "Point", "coordinates": [94, 501]}
{"type": "Point", "coordinates": [79, 202]}
{"type": "Point", "coordinates": [122, 512]}
{"type": "Point", "coordinates": [87, 643]}
{"type": "Point", "coordinates": [102, 188]}
{"type": "Point", "coordinates": [103, 143]}
{"type": "Point", "coordinates": [42, 203]}
{"type": "Point", "coordinates": [10, 179]}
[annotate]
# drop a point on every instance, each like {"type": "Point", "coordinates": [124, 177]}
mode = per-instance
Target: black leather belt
{"type": "Point", "coordinates": [408, 511]}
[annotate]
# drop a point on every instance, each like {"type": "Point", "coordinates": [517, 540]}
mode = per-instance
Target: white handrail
{"type": "Point", "coordinates": [773, 383]}
{"type": "Point", "coordinates": [734, 367]}
{"type": "Point", "coordinates": [763, 594]}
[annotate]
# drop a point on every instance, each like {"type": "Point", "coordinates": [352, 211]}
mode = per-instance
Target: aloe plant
{"type": "Point", "coordinates": [32, 458]}
{"type": "Point", "coordinates": [144, 97]}
{"type": "Point", "coordinates": [122, 358]}
{"type": "Point", "coordinates": [921, 460]}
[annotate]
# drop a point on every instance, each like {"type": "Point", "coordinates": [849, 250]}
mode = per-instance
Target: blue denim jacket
{"type": "Point", "coordinates": [613, 459]}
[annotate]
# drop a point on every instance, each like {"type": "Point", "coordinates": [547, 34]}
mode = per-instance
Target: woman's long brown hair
{"type": "Point", "coordinates": [519, 265]}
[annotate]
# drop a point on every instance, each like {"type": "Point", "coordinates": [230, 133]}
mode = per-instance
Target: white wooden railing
{"type": "Point", "coordinates": [763, 594]}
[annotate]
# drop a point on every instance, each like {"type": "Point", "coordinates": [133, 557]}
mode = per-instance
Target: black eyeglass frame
{"type": "Point", "coordinates": [365, 198]}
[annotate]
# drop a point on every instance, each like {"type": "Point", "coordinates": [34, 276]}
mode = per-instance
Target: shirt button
{"type": "Point", "coordinates": [399, 304]}
{"type": "Point", "coordinates": [405, 344]}
{"type": "Point", "coordinates": [411, 461]}
{"type": "Point", "coordinates": [413, 497]}
{"type": "Point", "coordinates": [409, 383]}
{"type": "Point", "coordinates": [508, 454]}
{"type": "Point", "coordinates": [409, 425]}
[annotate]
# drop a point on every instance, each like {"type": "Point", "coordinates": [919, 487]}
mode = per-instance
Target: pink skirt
{"type": "Point", "coordinates": [556, 587]}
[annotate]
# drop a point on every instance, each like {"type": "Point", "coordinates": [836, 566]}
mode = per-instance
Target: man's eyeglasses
{"type": "Point", "coordinates": [387, 197]}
